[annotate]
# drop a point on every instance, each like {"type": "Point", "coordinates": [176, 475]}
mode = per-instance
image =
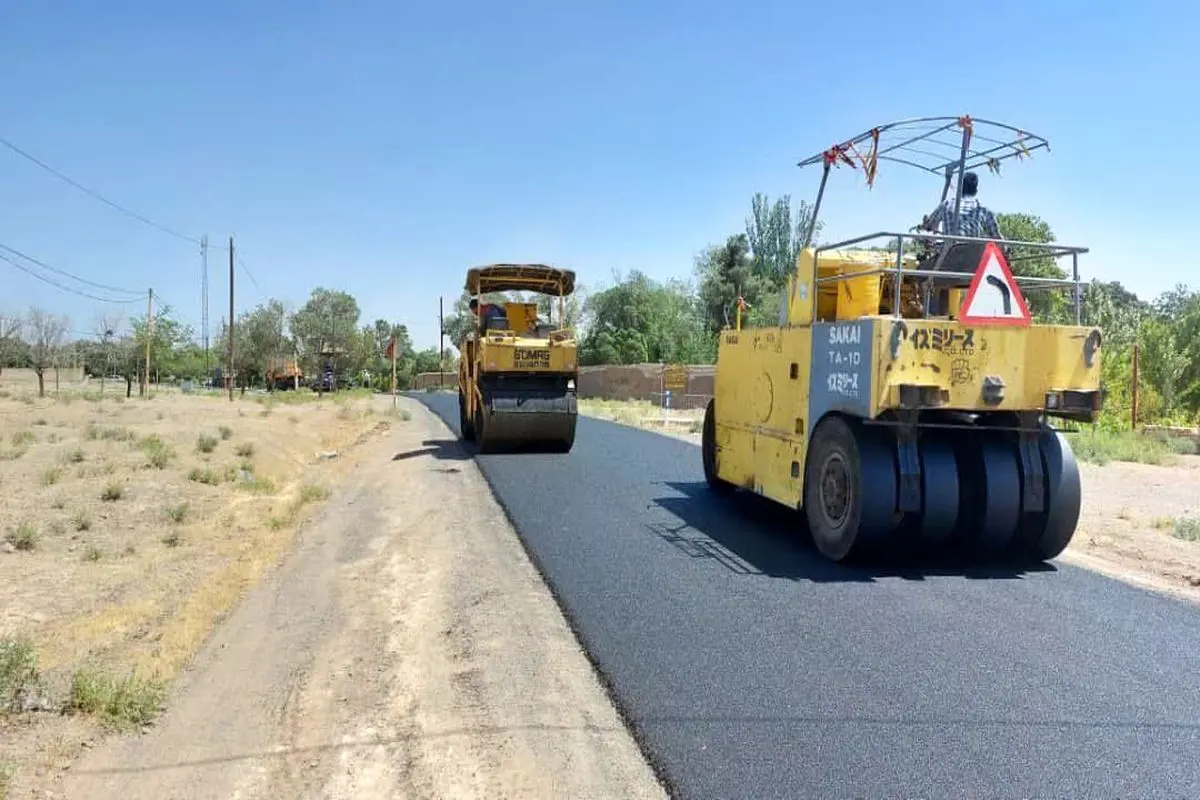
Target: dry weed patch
{"type": "Point", "coordinates": [137, 526]}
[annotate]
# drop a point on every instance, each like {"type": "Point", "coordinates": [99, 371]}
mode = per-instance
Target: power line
{"type": "Point", "coordinates": [249, 275]}
{"type": "Point", "coordinates": [64, 273]}
{"type": "Point", "coordinates": [95, 194]}
{"type": "Point", "coordinates": [58, 285]}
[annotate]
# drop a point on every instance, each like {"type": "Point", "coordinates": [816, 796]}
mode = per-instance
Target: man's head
{"type": "Point", "coordinates": [970, 184]}
{"type": "Point", "coordinates": [474, 305]}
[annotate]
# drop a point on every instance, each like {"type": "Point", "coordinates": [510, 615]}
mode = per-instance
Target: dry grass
{"type": "Point", "coordinates": [130, 536]}
{"type": "Point", "coordinates": [683, 423]}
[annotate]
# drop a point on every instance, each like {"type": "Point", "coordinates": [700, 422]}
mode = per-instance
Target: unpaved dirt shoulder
{"type": "Point", "coordinates": [406, 648]}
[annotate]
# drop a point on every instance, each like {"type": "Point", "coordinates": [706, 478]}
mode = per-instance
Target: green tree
{"type": "Point", "coordinates": [774, 237]}
{"type": "Point", "coordinates": [638, 320]}
{"type": "Point", "coordinates": [10, 338]}
{"type": "Point", "coordinates": [1046, 305]}
{"type": "Point", "coordinates": [47, 334]}
{"type": "Point", "coordinates": [325, 328]}
{"type": "Point", "coordinates": [260, 340]}
{"type": "Point", "coordinates": [726, 273]}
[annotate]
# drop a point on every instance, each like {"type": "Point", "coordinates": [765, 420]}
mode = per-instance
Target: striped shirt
{"type": "Point", "coordinates": [973, 219]}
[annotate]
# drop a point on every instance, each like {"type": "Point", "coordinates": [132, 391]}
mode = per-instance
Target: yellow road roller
{"type": "Point", "coordinates": [905, 398]}
{"type": "Point", "coordinates": [518, 372]}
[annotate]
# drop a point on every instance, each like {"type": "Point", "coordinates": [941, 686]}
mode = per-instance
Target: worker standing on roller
{"type": "Point", "coordinates": [974, 219]}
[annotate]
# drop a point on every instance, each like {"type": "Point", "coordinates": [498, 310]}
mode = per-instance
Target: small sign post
{"type": "Point", "coordinates": [674, 378]}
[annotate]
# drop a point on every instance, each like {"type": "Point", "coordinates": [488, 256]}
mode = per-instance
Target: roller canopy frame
{"type": "Point", "coordinates": [539, 278]}
{"type": "Point", "coordinates": [941, 146]}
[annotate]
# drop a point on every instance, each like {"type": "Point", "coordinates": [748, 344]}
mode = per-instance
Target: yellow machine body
{"type": "Point", "coordinates": [517, 375]}
{"type": "Point", "coordinates": [928, 400]}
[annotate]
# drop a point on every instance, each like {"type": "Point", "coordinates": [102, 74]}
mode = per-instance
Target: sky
{"type": "Point", "coordinates": [382, 148]}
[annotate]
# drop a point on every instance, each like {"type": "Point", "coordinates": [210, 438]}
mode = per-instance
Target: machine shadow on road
{"type": "Point", "coordinates": [441, 449]}
{"type": "Point", "coordinates": [751, 535]}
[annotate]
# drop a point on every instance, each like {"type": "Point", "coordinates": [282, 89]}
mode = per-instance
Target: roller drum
{"type": "Point", "coordinates": [512, 418]}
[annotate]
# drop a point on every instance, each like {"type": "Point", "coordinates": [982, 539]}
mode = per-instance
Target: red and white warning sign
{"type": "Point", "coordinates": [994, 297]}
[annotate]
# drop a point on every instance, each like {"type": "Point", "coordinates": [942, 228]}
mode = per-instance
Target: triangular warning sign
{"type": "Point", "coordinates": [994, 297]}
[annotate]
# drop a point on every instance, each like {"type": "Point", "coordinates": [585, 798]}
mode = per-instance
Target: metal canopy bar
{"type": "Point", "coordinates": [1065, 249]}
{"type": "Point", "coordinates": [999, 142]}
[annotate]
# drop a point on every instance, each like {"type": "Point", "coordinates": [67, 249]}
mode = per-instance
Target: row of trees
{"type": "Point", "coordinates": [634, 320]}
{"type": "Point", "coordinates": [638, 319]}
{"type": "Point", "coordinates": [326, 330]}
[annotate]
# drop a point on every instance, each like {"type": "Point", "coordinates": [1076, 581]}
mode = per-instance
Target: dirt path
{"type": "Point", "coordinates": [406, 648]}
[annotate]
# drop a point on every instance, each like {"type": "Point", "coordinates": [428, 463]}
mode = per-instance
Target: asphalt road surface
{"type": "Point", "coordinates": [750, 667]}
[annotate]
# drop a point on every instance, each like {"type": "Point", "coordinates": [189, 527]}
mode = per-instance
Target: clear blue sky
{"type": "Point", "coordinates": [382, 148]}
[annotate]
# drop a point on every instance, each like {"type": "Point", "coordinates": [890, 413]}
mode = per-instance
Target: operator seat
{"type": "Point", "coordinates": [962, 257]}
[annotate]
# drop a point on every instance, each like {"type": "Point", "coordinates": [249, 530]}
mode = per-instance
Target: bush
{"type": "Point", "coordinates": [23, 537]}
{"type": "Point", "coordinates": [18, 672]}
{"type": "Point", "coordinates": [120, 703]}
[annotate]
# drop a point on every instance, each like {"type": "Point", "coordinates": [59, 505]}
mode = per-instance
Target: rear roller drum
{"type": "Point", "coordinates": [849, 488]}
{"type": "Point", "coordinates": [708, 451]}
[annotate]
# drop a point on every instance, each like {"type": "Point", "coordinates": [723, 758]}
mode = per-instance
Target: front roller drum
{"type": "Point", "coordinates": [539, 423]}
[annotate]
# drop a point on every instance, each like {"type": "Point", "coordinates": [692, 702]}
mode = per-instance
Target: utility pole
{"type": "Point", "coordinates": [149, 336]}
{"type": "Point", "coordinates": [204, 298]}
{"type": "Point", "coordinates": [441, 344]}
{"type": "Point", "coordinates": [1133, 411]}
{"type": "Point", "coordinates": [393, 348]}
{"type": "Point", "coordinates": [231, 350]}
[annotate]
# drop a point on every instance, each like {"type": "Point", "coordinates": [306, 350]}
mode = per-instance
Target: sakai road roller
{"type": "Point", "coordinates": [904, 399]}
{"type": "Point", "coordinates": [517, 373]}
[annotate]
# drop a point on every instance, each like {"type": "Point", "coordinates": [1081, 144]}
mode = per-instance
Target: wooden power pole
{"type": "Point", "coordinates": [393, 348]}
{"type": "Point", "coordinates": [149, 336]}
{"type": "Point", "coordinates": [441, 345]}
{"type": "Point", "coordinates": [229, 380]}
{"type": "Point", "coordinates": [1133, 411]}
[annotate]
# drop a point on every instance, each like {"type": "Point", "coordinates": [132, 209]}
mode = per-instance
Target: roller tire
{"type": "Point", "coordinates": [1044, 536]}
{"type": "Point", "coordinates": [708, 451]}
{"type": "Point", "coordinates": [990, 479]}
{"type": "Point", "coordinates": [849, 488]}
{"type": "Point", "coordinates": [940, 491]}
{"type": "Point", "coordinates": [465, 424]}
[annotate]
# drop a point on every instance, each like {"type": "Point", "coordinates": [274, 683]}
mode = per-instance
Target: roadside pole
{"type": "Point", "coordinates": [392, 347]}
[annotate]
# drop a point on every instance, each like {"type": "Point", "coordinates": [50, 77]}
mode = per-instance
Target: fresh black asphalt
{"type": "Point", "coordinates": [751, 668]}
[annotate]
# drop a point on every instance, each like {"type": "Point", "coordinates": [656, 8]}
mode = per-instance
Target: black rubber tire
{"type": "Point", "coordinates": [849, 488]}
{"type": "Point", "coordinates": [990, 479]}
{"type": "Point", "coordinates": [465, 424]}
{"type": "Point", "coordinates": [940, 491]}
{"type": "Point", "coordinates": [1044, 536]}
{"type": "Point", "coordinates": [708, 451]}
